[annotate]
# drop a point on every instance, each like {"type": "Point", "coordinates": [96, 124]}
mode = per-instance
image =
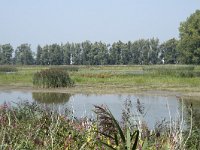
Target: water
{"type": "Point", "coordinates": [156, 107]}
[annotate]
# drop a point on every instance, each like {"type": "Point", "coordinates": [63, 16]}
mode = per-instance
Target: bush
{"type": "Point", "coordinates": [8, 69]}
{"type": "Point", "coordinates": [52, 78]}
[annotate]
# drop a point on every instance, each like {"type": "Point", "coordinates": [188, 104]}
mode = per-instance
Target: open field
{"type": "Point", "coordinates": [111, 79]}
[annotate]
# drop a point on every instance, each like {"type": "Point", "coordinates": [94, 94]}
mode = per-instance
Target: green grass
{"type": "Point", "coordinates": [155, 77]}
{"type": "Point", "coordinates": [7, 68]}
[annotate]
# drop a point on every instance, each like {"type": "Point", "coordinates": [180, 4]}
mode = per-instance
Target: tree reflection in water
{"type": "Point", "coordinates": [51, 98]}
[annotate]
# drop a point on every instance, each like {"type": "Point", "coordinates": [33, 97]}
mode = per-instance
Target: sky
{"type": "Point", "coordinates": [60, 21]}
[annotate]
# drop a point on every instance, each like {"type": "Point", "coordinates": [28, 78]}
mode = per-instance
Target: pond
{"type": "Point", "coordinates": [156, 108]}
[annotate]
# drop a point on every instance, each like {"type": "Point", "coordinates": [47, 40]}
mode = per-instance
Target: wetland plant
{"type": "Point", "coordinates": [52, 78]}
{"type": "Point", "coordinates": [33, 126]}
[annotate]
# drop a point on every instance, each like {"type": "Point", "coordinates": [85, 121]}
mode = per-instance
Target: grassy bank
{"type": "Point", "coordinates": [179, 78]}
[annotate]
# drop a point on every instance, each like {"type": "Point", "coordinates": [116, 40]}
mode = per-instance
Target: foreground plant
{"type": "Point", "coordinates": [109, 128]}
{"type": "Point", "coordinates": [33, 126]}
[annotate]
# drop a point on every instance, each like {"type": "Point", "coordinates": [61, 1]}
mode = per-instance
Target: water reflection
{"type": "Point", "coordinates": [156, 107]}
{"type": "Point", "coordinates": [51, 98]}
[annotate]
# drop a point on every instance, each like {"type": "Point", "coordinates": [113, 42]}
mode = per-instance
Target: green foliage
{"type": "Point", "coordinates": [6, 51]}
{"type": "Point", "coordinates": [169, 51]}
{"type": "Point", "coordinates": [24, 55]}
{"type": "Point", "coordinates": [192, 109]}
{"type": "Point", "coordinates": [6, 68]}
{"type": "Point", "coordinates": [189, 44]}
{"type": "Point", "coordinates": [109, 127]}
{"type": "Point", "coordinates": [29, 126]}
{"type": "Point", "coordinates": [52, 78]}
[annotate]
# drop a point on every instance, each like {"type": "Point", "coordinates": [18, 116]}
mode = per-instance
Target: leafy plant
{"type": "Point", "coordinates": [117, 137]}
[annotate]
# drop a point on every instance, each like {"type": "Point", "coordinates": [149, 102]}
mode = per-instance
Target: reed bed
{"type": "Point", "coordinates": [33, 126]}
{"type": "Point", "coordinates": [52, 78]}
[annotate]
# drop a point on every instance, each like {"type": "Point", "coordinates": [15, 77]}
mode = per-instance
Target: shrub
{"type": "Point", "coordinates": [8, 69]}
{"type": "Point", "coordinates": [52, 78]}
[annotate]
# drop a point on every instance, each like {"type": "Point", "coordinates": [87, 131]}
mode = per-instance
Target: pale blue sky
{"type": "Point", "coordinates": [55, 21]}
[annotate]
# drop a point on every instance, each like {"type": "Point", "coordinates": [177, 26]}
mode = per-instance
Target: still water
{"type": "Point", "coordinates": [156, 108]}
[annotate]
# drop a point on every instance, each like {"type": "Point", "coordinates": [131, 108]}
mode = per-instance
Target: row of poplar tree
{"type": "Point", "coordinates": [98, 53]}
{"type": "Point", "coordinates": [185, 50]}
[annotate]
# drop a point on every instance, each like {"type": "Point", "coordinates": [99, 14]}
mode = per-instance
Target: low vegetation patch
{"type": "Point", "coordinates": [66, 68]}
{"type": "Point", "coordinates": [99, 75]}
{"type": "Point", "coordinates": [172, 70]}
{"type": "Point", "coordinates": [52, 78]}
{"type": "Point", "coordinates": [8, 68]}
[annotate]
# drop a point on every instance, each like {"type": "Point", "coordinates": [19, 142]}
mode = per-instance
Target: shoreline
{"type": "Point", "coordinates": [107, 89]}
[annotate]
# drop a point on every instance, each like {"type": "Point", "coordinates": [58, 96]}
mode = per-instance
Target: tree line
{"type": "Point", "coordinates": [186, 50]}
{"type": "Point", "coordinates": [98, 53]}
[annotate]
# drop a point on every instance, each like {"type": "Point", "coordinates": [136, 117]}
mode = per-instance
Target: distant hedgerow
{"type": "Point", "coordinates": [8, 68]}
{"type": "Point", "coordinates": [52, 78]}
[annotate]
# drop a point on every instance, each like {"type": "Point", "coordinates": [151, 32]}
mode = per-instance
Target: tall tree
{"type": "Point", "coordinates": [24, 55]}
{"type": "Point", "coordinates": [76, 53]}
{"type": "Point", "coordinates": [45, 55]}
{"type": "Point", "coordinates": [189, 44]}
{"type": "Point", "coordinates": [153, 51]}
{"type": "Point", "coordinates": [55, 55]}
{"type": "Point", "coordinates": [6, 51]}
{"type": "Point", "coordinates": [66, 53]}
{"type": "Point", "coordinates": [116, 53]}
{"type": "Point", "coordinates": [102, 54]}
{"type": "Point", "coordinates": [169, 51]}
{"type": "Point", "coordinates": [86, 49]}
{"type": "Point", "coordinates": [39, 55]}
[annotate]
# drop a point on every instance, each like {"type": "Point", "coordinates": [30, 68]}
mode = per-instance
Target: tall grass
{"type": "Point", "coordinates": [172, 70]}
{"type": "Point", "coordinates": [52, 78]}
{"type": "Point", "coordinates": [32, 126]}
{"type": "Point", "coordinates": [67, 68]}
